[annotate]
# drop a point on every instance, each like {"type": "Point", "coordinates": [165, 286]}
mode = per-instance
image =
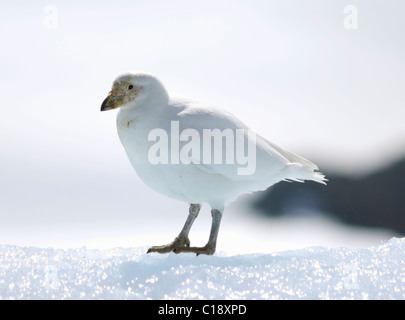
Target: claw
{"type": "Point", "coordinates": [172, 246]}
{"type": "Point", "coordinates": [208, 249]}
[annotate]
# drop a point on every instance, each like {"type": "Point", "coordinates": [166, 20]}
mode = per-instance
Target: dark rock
{"type": "Point", "coordinates": [375, 200]}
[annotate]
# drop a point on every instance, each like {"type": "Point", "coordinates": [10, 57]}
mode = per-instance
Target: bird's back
{"type": "Point", "coordinates": [198, 165]}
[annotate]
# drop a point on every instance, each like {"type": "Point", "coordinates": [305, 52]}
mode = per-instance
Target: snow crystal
{"type": "Point", "coordinates": [311, 273]}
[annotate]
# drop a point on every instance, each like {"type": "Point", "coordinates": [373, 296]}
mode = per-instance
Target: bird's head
{"type": "Point", "coordinates": [130, 88]}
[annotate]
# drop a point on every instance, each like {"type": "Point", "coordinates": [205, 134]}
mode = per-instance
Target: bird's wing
{"type": "Point", "coordinates": [267, 158]}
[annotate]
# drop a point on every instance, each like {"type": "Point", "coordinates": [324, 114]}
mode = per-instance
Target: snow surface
{"type": "Point", "coordinates": [128, 273]}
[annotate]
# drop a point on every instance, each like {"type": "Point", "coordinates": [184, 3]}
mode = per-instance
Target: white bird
{"type": "Point", "coordinates": [195, 153]}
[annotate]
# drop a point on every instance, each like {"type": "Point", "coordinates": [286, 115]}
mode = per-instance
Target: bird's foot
{"type": "Point", "coordinates": [178, 243]}
{"type": "Point", "coordinates": [208, 249]}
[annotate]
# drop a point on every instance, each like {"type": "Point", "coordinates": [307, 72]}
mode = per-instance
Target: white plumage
{"type": "Point", "coordinates": [186, 175]}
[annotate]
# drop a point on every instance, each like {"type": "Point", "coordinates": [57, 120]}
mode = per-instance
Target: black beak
{"type": "Point", "coordinates": [112, 101]}
{"type": "Point", "coordinates": [105, 104]}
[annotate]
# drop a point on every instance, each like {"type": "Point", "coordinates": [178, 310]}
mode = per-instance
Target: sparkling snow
{"type": "Point", "coordinates": [128, 273]}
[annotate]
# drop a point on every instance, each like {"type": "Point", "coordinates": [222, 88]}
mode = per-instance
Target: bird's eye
{"type": "Point", "coordinates": [130, 87]}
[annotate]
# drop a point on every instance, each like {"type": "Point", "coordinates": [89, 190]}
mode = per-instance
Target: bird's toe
{"type": "Point", "coordinates": [178, 243]}
{"type": "Point", "coordinates": [208, 249]}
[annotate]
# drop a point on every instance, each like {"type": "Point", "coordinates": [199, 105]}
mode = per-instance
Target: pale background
{"type": "Point", "coordinates": [288, 69]}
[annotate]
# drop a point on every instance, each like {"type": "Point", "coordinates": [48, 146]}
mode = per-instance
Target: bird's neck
{"type": "Point", "coordinates": [151, 103]}
{"type": "Point", "coordinates": [147, 112]}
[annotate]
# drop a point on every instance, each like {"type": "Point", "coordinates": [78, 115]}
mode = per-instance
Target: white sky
{"type": "Point", "coordinates": [289, 69]}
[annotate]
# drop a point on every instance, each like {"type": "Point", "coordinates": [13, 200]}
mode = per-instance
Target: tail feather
{"type": "Point", "coordinates": [300, 173]}
{"type": "Point", "coordinates": [299, 169]}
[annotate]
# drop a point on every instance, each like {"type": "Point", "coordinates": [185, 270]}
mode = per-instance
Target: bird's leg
{"type": "Point", "coordinates": [182, 239]}
{"type": "Point", "coordinates": [209, 248]}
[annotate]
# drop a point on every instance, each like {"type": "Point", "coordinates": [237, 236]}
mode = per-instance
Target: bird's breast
{"type": "Point", "coordinates": [126, 123]}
